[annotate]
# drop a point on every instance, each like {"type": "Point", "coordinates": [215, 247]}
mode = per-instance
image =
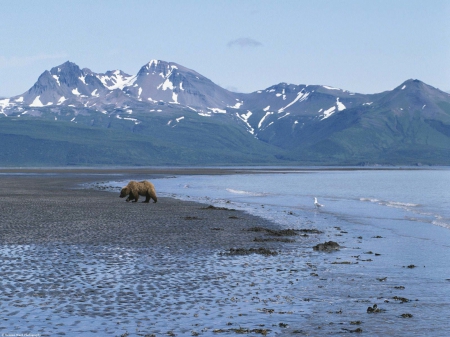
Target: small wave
{"type": "Point", "coordinates": [400, 204]}
{"type": "Point", "coordinates": [369, 199]}
{"type": "Point", "coordinates": [441, 224]}
{"type": "Point", "coordinates": [396, 204]}
{"type": "Point", "coordinates": [253, 194]}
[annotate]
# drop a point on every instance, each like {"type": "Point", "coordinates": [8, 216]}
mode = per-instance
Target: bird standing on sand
{"type": "Point", "coordinates": [316, 203]}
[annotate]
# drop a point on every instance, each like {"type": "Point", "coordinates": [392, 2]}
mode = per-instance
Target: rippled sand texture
{"type": "Point", "coordinates": [82, 262]}
{"type": "Point", "coordinates": [75, 260]}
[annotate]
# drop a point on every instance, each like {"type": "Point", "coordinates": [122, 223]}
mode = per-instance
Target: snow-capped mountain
{"type": "Point", "coordinates": [308, 121]}
{"type": "Point", "coordinates": [114, 79]}
{"type": "Point", "coordinates": [160, 81]}
{"type": "Point", "coordinates": [157, 82]}
{"type": "Point", "coordinates": [60, 84]}
{"type": "Point", "coordinates": [160, 85]}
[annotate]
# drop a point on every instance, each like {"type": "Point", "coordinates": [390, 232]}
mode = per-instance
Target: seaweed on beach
{"type": "Point", "coordinates": [192, 218]}
{"type": "Point", "coordinates": [357, 330]}
{"type": "Point", "coordinates": [401, 299]}
{"type": "Point", "coordinates": [374, 309]}
{"type": "Point", "coordinates": [328, 246]}
{"type": "Point", "coordinates": [242, 330]}
{"type": "Point", "coordinates": [218, 208]}
{"type": "Point", "coordinates": [283, 232]}
{"type": "Point", "coordinates": [248, 251]}
{"type": "Point", "coordinates": [284, 240]}
{"type": "Point", "coordinates": [310, 231]}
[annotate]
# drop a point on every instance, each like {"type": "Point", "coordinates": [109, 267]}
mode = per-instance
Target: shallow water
{"type": "Point", "coordinates": [403, 215]}
{"type": "Point", "coordinates": [385, 221]}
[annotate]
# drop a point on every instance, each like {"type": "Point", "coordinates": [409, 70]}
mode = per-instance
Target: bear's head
{"type": "Point", "coordinates": [124, 192]}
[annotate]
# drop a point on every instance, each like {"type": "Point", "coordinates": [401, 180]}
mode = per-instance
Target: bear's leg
{"type": "Point", "coordinates": [147, 197]}
{"type": "Point", "coordinates": [136, 197]}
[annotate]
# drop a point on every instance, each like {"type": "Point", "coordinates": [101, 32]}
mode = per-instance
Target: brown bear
{"type": "Point", "coordinates": [134, 189]}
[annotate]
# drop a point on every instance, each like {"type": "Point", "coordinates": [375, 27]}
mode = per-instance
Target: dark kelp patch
{"type": "Point", "coordinates": [248, 251]}
{"type": "Point", "coordinates": [211, 207]}
{"type": "Point", "coordinates": [328, 246]}
{"type": "Point", "coordinates": [284, 240]}
{"type": "Point", "coordinates": [242, 330]}
{"type": "Point", "coordinates": [283, 232]}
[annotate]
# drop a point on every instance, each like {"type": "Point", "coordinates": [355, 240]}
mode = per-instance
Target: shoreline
{"type": "Point", "coordinates": [79, 261]}
{"type": "Point", "coordinates": [189, 170]}
{"type": "Point", "coordinates": [55, 209]}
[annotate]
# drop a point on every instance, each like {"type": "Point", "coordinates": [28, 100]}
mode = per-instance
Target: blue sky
{"type": "Point", "coordinates": [364, 46]}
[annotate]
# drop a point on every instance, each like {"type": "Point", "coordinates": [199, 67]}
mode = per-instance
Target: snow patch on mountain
{"type": "Point", "coordinates": [301, 96]}
{"type": "Point", "coordinates": [136, 121]}
{"type": "Point", "coordinates": [56, 79]}
{"type": "Point", "coordinates": [244, 118]}
{"type": "Point", "coordinates": [116, 79]}
{"type": "Point", "coordinates": [327, 113]}
{"type": "Point", "coordinates": [340, 105]}
{"type": "Point", "coordinates": [330, 88]}
{"type": "Point", "coordinates": [285, 115]}
{"type": "Point", "coordinates": [218, 111]}
{"type": "Point", "coordinates": [37, 102]}
{"type": "Point", "coordinates": [3, 104]}
{"type": "Point", "coordinates": [237, 105]}
{"type": "Point", "coordinates": [167, 84]}
{"type": "Point", "coordinates": [262, 119]}
{"type": "Point", "coordinates": [175, 98]}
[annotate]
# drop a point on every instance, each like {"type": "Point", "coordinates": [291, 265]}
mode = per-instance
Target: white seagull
{"type": "Point", "coordinates": [316, 203]}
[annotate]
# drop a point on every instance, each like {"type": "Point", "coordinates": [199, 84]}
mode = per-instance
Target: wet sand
{"type": "Point", "coordinates": [55, 209]}
{"type": "Point", "coordinates": [78, 261]}
{"type": "Point", "coordinates": [83, 262]}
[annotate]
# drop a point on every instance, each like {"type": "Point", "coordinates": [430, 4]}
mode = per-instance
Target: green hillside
{"type": "Point", "coordinates": [36, 142]}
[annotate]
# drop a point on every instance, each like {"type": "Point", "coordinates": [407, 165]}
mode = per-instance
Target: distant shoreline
{"type": "Point", "coordinates": [189, 170]}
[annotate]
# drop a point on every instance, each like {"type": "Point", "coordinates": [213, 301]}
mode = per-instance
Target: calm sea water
{"type": "Point", "coordinates": [413, 195]}
{"type": "Point", "coordinates": [403, 216]}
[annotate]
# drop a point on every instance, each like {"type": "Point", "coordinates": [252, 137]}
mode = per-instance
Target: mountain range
{"type": "Point", "coordinates": [168, 114]}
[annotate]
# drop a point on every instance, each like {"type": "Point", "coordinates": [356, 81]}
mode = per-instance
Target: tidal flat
{"type": "Point", "coordinates": [82, 262]}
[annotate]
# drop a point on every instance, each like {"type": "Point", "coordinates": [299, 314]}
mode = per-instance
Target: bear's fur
{"type": "Point", "coordinates": [134, 189]}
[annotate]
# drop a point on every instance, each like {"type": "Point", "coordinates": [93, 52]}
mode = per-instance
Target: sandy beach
{"type": "Point", "coordinates": [54, 209]}
{"type": "Point", "coordinates": [78, 261]}
{"type": "Point", "coordinates": [63, 248]}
